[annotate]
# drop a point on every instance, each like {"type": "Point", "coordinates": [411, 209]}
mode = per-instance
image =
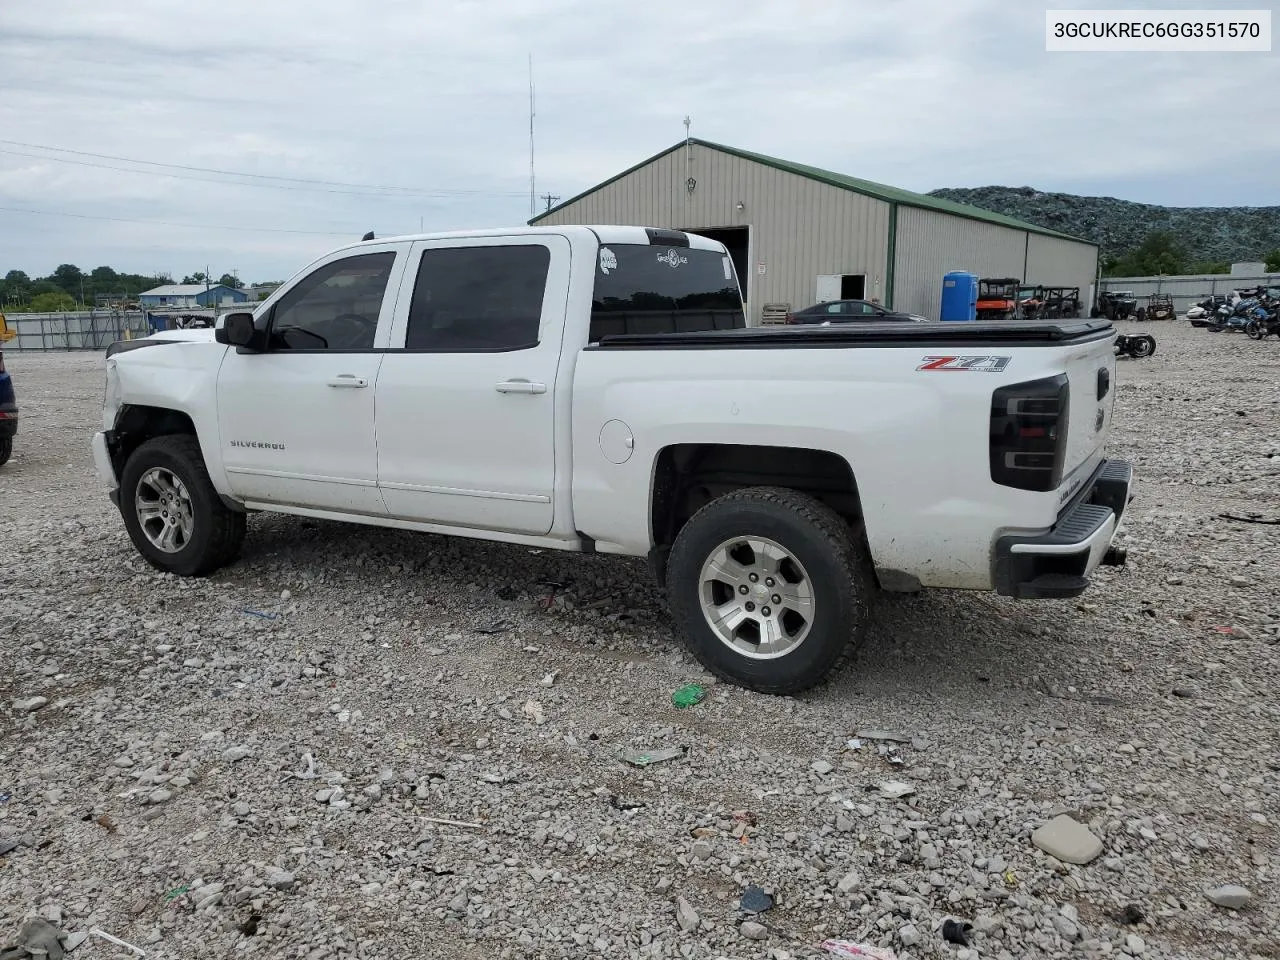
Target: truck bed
{"type": "Point", "coordinates": [849, 335]}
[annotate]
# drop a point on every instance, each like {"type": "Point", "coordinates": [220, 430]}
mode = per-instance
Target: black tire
{"type": "Point", "coordinates": [839, 573]}
{"type": "Point", "coordinates": [1094, 313]}
{"type": "Point", "coordinates": [217, 531]}
{"type": "Point", "coordinates": [1142, 347]}
{"type": "Point", "coordinates": [1254, 329]}
{"type": "Point", "coordinates": [6, 450]}
{"type": "Point", "coordinates": [1142, 314]}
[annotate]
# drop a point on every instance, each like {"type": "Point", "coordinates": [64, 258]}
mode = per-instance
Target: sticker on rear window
{"type": "Point", "coordinates": [728, 267]}
{"type": "Point", "coordinates": [608, 260]}
{"type": "Point", "coordinates": [672, 259]}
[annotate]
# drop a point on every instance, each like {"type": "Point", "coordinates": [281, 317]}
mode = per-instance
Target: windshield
{"type": "Point", "coordinates": [642, 288]}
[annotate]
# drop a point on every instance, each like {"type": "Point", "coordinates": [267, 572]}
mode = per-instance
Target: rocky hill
{"type": "Point", "coordinates": [1223, 234]}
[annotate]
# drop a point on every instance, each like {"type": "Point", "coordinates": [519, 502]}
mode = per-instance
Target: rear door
{"type": "Point", "coordinates": [466, 394]}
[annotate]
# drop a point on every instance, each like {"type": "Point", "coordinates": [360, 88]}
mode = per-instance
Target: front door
{"type": "Point", "coordinates": [295, 414]}
{"type": "Point", "coordinates": [466, 395]}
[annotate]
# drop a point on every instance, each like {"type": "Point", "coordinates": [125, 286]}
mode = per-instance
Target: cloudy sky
{"type": "Point", "coordinates": [428, 102]}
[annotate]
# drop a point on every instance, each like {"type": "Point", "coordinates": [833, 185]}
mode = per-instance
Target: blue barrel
{"type": "Point", "coordinates": [959, 296]}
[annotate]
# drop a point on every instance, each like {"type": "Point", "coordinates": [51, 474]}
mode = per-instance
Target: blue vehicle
{"type": "Point", "coordinates": [8, 400]}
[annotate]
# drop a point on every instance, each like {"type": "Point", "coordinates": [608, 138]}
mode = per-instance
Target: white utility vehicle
{"type": "Point", "coordinates": [596, 389]}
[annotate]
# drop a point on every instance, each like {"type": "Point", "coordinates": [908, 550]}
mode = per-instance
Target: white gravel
{"type": "Point", "coordinates": [362, 771]}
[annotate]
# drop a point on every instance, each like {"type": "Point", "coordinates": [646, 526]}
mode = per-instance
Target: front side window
{"type": "Point", "coordinates": [476, 299]}
{"type": "Point", "coordinates": [642, 288]}
{"type": "Point", "coordinates": [335, 308]}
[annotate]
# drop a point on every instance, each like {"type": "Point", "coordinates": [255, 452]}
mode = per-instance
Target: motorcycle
{"type": "Point", "coordinates": [1259, 329]}
{"type": "Point", "coordinates": [1265, 321]}
{"type": "Point", "coordinates": [1201, 313]}
{"type": "Point", "coordinates": [1233, 317]}
{"type": "Point", "coordinates": [1137, 346]}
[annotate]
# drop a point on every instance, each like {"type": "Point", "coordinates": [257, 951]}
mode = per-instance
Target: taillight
{"type": "Point", "coordinates": [1029, 433]}
{"type": "Point", "coordinates": [791, 318]}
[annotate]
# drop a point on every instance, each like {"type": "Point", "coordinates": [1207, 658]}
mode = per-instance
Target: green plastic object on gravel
{"type": "Point", "coordinates": [688, 696]}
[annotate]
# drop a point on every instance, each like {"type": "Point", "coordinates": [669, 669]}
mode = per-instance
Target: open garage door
{"type": "Point", "coordinates": [738, 242]}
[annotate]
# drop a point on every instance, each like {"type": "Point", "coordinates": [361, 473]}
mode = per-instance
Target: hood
{"type": "Point", "coordinates": [200, 333]}
{"type": "Point", "coordinates": [159, 339]}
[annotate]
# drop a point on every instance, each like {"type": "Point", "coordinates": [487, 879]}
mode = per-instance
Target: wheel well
{"type": "Point", "coordinates": [137, 424]}
{"type": "Point", "coordinates": [689, 476]}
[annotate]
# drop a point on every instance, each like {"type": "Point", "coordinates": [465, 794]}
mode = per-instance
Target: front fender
{"type": "Point", "coordinates": [182, 378]}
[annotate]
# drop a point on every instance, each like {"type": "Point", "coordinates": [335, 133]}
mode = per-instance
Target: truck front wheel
{"type": "Point", "coordinates": [770, 587]}
{"type": "Point", "coordinates": [172, 511]}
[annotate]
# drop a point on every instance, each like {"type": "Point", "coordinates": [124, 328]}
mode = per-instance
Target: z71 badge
{"type": "Point", "coordinates": [963, 364]}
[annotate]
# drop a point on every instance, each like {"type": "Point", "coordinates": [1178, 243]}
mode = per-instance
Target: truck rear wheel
{"type": "Point", "coordinates": [172, 511]}
{"type": "Point", "coordinates": [770, 588]}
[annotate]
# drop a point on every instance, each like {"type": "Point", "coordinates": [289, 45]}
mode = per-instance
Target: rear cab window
{"type": "Point", "coordinates": [647, 288]}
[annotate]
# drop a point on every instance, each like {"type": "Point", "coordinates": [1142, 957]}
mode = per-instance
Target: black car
{"type": "Point", "coordinates": [850, 311]}
{"type": "Point", "coordinates": [8, 405]}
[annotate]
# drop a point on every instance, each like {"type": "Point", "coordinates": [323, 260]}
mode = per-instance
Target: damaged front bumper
{"type": "Point", "coordinates": [106, 469]}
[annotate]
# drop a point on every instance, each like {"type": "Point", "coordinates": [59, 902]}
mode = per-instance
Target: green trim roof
{"type": "Point", "coordinates": [867, 188]}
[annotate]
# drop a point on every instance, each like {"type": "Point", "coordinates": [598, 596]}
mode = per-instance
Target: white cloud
{"type": "Point", "coordinates": [917, 93]}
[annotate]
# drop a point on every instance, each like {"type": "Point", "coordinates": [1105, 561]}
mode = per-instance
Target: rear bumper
{"type": "Point", "coordinates": [1058, 562]}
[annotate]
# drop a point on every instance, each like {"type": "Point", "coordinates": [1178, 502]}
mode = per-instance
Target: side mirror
{"type": "Point", "coordinates": [237, 330]}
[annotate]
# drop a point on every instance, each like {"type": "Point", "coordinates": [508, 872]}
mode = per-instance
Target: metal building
{"type": "Point", "coordinates": [799, 235]}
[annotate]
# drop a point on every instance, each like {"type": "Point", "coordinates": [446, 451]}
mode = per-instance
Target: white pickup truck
{"type": "Point", "coordinates": [596, 389]}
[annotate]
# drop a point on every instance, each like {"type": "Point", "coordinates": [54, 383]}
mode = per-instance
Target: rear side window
{"type": "Point", "coordinates": [641, 288]}
{"type": "Point", "coordinates": [478, 298]}
{"type": "Point", "coordinates": [335, 308]}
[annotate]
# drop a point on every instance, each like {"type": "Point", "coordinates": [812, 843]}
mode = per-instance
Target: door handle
{"type": "Point", "coordinates": [520, 386]}
{"type": "Point", "coordinates": [348, 380]}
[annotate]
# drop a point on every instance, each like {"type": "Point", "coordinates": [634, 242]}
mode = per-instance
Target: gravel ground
{"type": "Point", "coordinates": [282, 740]}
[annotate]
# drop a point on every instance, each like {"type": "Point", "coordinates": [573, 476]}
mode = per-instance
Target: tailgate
{"type": "Point", "coordinates": [1091, 376]}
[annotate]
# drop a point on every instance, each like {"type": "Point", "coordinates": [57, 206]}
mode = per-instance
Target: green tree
{"type": "Point", "coordinates": [1273, 261]}
{"type": "Point", "coordinates": [15, 288]}
{"type": "Point", "coordinates": [230, 280]}
{"type": "Point", "coordinates": [1209, 266]}
{"type": "Point", "coordinates": [68, 278]}
{"type": "Point", "coordinates": [51, 302]}
{"type": "Point", "coordinates": [1158, 253]}
{"type": "Point", "coordinates": [197, 277]}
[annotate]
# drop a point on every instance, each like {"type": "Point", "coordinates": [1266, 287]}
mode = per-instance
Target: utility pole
{"type": "Point", "coordinates": [531, 116]}
{"type": "Point", "coordinates": [550, 198]}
